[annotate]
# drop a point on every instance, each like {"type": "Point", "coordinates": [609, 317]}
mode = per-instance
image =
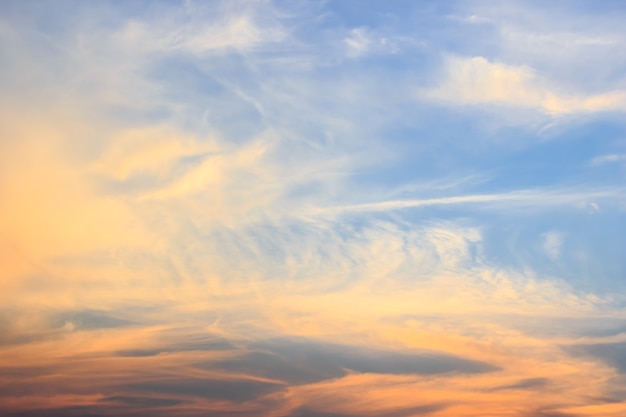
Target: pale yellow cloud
{"type": "Point", "coordinates": [151, 151]}
{"type": "Point", "coordinates": [49, 207]}
{"type": "Point", "coordinates": [478, 81]}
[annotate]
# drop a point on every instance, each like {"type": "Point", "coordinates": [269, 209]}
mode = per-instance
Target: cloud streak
{"type": "Point", "coordinates": [528, 198]}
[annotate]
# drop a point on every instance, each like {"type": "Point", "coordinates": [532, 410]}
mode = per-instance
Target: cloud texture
{"type": "Point", "coordinates": [311, 209]}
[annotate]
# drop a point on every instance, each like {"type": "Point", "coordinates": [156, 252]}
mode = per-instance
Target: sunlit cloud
{"type": "Point", "coordinates": [477, 81]}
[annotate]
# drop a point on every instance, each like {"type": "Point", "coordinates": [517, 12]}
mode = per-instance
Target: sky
{"type": "Point", "coordinates": [297, 208]}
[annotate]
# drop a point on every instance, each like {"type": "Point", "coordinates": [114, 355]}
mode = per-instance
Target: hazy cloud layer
{"type": "Point", "coordinates": [301, 209]}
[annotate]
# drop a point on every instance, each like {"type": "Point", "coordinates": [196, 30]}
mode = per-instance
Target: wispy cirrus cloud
{"type": "Point", "coordinates": [522, 198]}
{"type": "Point", "coordinates": [363, 41]}
{"type": "Point", "coordinates": [608, 159]}
{"type": "Point", "coordinates": [185, 33]}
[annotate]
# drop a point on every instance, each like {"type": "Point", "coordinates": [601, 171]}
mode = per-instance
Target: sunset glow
{"type": "Point", "coordinates": [312, 208]}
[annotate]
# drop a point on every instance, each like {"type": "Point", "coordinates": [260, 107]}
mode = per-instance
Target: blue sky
{"type": "Point", "coordinates": [238, 194]}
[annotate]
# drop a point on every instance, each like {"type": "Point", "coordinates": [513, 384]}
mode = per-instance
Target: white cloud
{"type": "Point", "coordinates": [362, 41]}
{"type": "Point", "coordinates": [553, 244]}
{"type": "Point", "coordinates": [471, 19]}
{"type": "Point", "coordinates": [594, 208]}
{"type": "Point", "coordinates": [520, 198]}
{"type": "Point", "coordinates": [608, 159]}
{"type": "Point", "coordinates": [556, 35]}
{"type": "Point", "coordinates": [477, 81]}
{"type": "Point", "coordinates": [358, 42]}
